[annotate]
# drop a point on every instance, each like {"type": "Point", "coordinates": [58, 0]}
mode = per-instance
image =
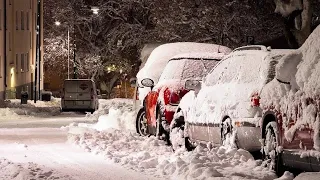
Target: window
{"type": "Point", "coordinates": [17, 20]}
{"type": "Point", "coordinates": [28, 21]}
{"type": "Point", "coordinates": [10, 3]}
{"type": "Point", "coordinates": [28, 62]}
{"type": "Point", "coordinates": [30, 3]}
{"type": "Point", "coordinates": [17, 61]}
{"type": "Point", "coordinates": [22, 62]}
{"type": "Point", "coordinates": [22, 20]}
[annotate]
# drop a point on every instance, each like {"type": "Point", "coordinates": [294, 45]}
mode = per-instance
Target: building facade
{"type": "Point", "coordinates": [18, 48]}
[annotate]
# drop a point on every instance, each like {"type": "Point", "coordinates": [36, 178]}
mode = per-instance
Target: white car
{"type": "Point", "coordinates": [226, 110]}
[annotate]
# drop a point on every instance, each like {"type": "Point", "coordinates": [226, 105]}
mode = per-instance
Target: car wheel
{"type": "Point", "coordinates": [161, 133]}
{"type": "Point", "coordinates": [177, 136]}
{"type": "Point", "coordinates": [141, 123]}
{"type": "Point", "coordinates": [228, 134]}
{"type": "Point", "coordinates": [269, 148]}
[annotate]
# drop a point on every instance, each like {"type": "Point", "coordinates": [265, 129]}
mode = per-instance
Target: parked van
{"type": "Point", "coordinates": [79, 95]}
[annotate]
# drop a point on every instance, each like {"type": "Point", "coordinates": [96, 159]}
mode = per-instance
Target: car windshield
{"type": "Point", "coordinates": [187, 68]}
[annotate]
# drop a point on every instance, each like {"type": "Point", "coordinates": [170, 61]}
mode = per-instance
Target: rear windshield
{"type": "Point", "coordinates": [77, 86]}
{"type": "Point", "coordinates": [183, 69]}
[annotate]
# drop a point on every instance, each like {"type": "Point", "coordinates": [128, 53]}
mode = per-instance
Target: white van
{"type": "Point", "coordinates": [79, 95]}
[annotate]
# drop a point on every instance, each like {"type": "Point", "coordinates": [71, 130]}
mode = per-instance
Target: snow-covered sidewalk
{"type": "Point", "coordinates": [114, 138]}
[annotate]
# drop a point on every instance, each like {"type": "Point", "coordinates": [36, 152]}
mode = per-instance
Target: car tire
{"type": "Point", "coordinates": [141, 123]}
{"type": "Point", "coordinates": [269, 148]}
{"type": "Point", "coordinates": [177, 134]}
{"type": "Point", "coordinates": [160, 131]}
{"type": "Point", "coordinates": [228, 134]}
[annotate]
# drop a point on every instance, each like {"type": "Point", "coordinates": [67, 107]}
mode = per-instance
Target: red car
{"type": "Point", "coordinates": [161, 103]}
{"type": "Point", "coordinates": [291, 120]}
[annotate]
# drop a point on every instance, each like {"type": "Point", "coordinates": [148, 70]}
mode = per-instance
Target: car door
{"type": "Point", "coordinates": [297, 126]}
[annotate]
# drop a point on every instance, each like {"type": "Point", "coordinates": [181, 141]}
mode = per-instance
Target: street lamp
{"type": "Point", "coordinates": [57, 23]}
{"type": "Point", "coordinates": [95, 10]}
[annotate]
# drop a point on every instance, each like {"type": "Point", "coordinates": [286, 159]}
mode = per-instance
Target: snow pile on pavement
{"type": "Point", "coordinates": [13, 108]}
{"type": "Point", "coordinates": [308, 176]}
{"type": "Point", "coordinates": [150, 155]}
{"type": "Point", "coordinates": [112, 114]}
{"type": "Point", "coordinates": [23, 171]}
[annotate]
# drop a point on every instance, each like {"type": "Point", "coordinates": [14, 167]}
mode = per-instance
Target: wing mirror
{"type": "Point", "coordinates": [133, 82]}
{"type": "Point", "coordinates": [194, 85]}
{"type": "Point", "coordinates": [147, 82]}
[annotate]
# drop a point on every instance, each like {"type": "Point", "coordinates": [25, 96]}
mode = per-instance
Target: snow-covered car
{"type": "Point", "coordinates": [158, 59]}
{"type": "Point", "coordinates": [226, 110]}
{"type": "Point", "coordinates": [290, 128]}
{"type": "Point", "coordinates": [161, 102]}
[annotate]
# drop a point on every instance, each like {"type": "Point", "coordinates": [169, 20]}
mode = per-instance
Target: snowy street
{"type": "Point", "coordinates": [36, 148]}
{"type": "Point", "coordinates": [77, 146]}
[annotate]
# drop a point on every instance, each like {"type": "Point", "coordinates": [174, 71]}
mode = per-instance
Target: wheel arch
{"type": "Point", "coordinates": [268, 117]}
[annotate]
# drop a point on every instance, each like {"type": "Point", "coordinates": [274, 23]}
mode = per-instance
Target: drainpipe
{"type": "Point", "coordinates": [5, 49]}
{"type": "Point", "coordinates": [40, 52]}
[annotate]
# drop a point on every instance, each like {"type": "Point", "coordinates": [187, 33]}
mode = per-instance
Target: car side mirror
{"type": "Point", "coordinates": [192, 85]}
{"type": "Point", "coordinates": [147, 82]}
{"type": "Point", "coordinates": [133, 82]}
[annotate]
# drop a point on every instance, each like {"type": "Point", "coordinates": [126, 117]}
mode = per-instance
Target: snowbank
{"type": "Point", "coordinates": [14, 109]}
{"type": "Point", "coordinates": [150, 155]}
{"type": "Point", "coordinates": [112, 114]}
{"type": "Point", "coordinates": [22, 171]}
{"type": "Point", "coordinates": [308, 176]}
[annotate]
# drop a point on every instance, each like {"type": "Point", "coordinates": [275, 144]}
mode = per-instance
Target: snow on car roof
{"type": "Point", "coordinates": [162, 54]}
{"type": "Point", "coordinates": [197, 55]}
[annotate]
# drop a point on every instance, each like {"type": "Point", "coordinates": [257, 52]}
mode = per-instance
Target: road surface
{"type": "Point", "coordinates": [41, 141]}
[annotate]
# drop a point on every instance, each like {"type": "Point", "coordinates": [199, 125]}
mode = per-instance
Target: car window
{"type": "Point", "coordinates": [242, 68]}
{"type": "Point", "coordinates": [183, 69]}
{"type": "Point", "coordinates": [221, 73]}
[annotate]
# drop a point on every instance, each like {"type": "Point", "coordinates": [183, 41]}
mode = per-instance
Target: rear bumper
{"type": "Point", "coordinates": [72, 105]}
{"type": "Point", "coordinates": [77, 109]}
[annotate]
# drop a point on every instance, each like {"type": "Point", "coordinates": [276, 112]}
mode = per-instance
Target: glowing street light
{"type": "Point", "coordinates": [95, 10]}
{"type": "Point", "coordinates": [57, 23]}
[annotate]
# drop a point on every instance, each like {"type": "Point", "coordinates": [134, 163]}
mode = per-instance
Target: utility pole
{"type": "Point", "coordinates": [37, 61]}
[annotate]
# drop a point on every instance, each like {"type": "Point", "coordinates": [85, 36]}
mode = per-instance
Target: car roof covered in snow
{"type": "Point", "coordinates": [196, 55]}
{"type": "Point", "coordinates": [162, 54]}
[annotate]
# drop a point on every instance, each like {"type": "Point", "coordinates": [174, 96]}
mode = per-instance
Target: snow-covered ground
{"type": "Point", "coordinates": [110, 149]}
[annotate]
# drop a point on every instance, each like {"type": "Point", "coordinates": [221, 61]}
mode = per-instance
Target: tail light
{"type": "Point", "coordinates": [255, 100]}
{"type": "Point", "coordinates": [92, 94]}
{"type": "Point", "coordinates": [174, 98]}
{"type": "Point", "coordinates": [137, 94]}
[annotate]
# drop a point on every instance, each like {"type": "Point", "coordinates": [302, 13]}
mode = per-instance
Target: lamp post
{"type": "Point", "coordinates": [57, 23]}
